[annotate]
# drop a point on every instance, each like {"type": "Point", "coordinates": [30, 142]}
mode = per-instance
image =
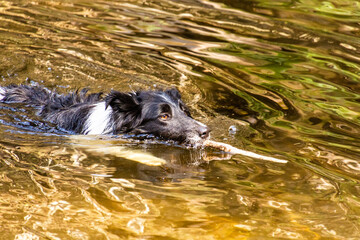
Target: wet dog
{"type": "Point", "coordinates": [159, 113]}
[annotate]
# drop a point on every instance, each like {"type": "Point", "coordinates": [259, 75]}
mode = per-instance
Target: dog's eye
{"type": "Point", "coordinates": [164, 116]}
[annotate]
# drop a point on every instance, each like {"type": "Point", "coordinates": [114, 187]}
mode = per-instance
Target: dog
{"type": "Point", "coordinates": [159, 113]}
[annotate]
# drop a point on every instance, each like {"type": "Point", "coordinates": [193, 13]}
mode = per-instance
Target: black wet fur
{"type": "Point", "coordinates": [133, 112]}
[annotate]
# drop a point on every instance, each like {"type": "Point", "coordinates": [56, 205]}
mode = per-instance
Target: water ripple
{"type": "Point", "coordinates": [284, 73]}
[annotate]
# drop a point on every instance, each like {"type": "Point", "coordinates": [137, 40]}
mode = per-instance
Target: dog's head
{"type": "Point", "coordinates": [160, 113]}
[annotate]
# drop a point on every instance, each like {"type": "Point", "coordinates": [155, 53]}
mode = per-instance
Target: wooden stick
{"type": "Point", "coordinates": [233, 150]}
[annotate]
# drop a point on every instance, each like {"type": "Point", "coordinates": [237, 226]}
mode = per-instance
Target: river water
{"type": "Point", "coordinates": [279, 78]}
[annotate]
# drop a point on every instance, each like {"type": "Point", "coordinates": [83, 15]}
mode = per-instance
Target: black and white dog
{"type": "Point", "coordinates": [160, 113]}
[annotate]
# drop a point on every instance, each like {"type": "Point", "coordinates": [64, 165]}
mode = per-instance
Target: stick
{"type": "Point", "coordinates": [233, 150]}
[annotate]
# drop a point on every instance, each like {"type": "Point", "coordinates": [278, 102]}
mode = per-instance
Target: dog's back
{"type": "Point", "coordinates": [67, 111]}
{"type": "Point", "coordinates": [40, 97]}
{"type": "Point", "coordinates": [24, 94]}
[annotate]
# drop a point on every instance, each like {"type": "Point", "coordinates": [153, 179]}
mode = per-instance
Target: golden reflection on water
{"type": "Point", "coordinates": [283, 74]}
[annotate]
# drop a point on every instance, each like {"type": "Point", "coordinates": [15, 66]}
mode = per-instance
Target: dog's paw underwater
{"type": "Point", "coordinates": [159, 113]}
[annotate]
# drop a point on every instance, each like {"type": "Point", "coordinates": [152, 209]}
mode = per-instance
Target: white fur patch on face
{"type": "Point", "coordinates": [2, 93]}
{"type": "Point", "coordinates": [98, 120]}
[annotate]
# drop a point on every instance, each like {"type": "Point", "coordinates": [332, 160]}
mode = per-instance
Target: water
{"type": "Point", "coordinates": [279, 78]}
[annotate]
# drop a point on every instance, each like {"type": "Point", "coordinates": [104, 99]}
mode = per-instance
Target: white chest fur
{"type": "Point", "coordinates": [99, 119]}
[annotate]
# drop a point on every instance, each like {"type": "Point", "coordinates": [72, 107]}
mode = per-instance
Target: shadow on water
{"type": "Point", "coordinates": [280, 78]}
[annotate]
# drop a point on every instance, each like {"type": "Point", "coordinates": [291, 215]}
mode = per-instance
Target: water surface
{"type": "Point", "coordinates": [282, 75]}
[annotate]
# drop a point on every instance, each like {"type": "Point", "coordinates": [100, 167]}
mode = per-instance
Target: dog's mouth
{"type": "Point", "coordinates": [191, 141]}
{"type": "Point", "coordinates": [195, 141]}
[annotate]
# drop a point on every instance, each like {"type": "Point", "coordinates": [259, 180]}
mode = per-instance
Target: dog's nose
{"type": "Point", "coordinates": [204, 131]}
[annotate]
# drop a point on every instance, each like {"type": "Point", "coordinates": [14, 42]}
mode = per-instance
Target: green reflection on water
{"type": "Point", "coordinates": [285, 74]}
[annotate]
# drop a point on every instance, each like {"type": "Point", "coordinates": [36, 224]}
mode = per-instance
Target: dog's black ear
{"type": "Point", "coordinates": [121, 101]}
{"type": "Point", "coordinates": [173, 93]}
